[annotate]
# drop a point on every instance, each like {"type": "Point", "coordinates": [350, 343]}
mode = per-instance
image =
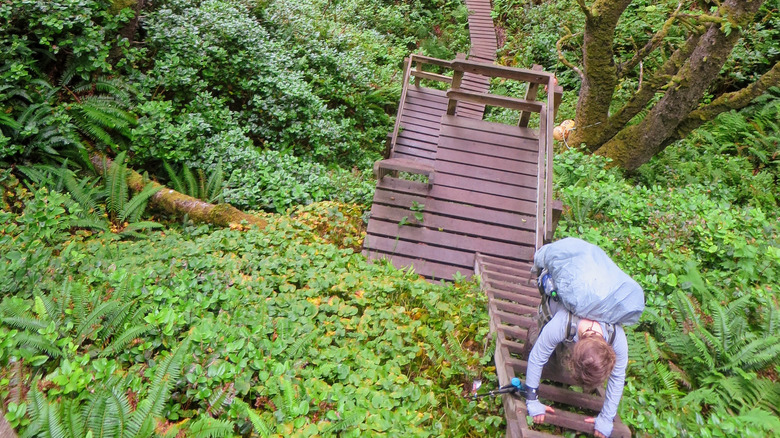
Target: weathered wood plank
{"type": "Point", "coordinates": [488, 187]}
{"type": "Point", "coordinates": [416, 250]}
{"type": "Point", "coordinates": [449, 240]}
{"type": "Point", "coordinates": [451, 224]}
{"type": "Point", "coordinates": [401, 193]}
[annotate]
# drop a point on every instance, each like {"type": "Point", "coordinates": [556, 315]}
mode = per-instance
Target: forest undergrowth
{"type": "Point", "coordinates": [118, 320]}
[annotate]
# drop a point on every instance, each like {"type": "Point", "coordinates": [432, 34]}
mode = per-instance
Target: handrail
{"type": "Point", "coordinates": [546, 131]}
{"type": "Point", "coordinates": [404, 89]}
{"type": "Point", "coordinates": [500, 71]}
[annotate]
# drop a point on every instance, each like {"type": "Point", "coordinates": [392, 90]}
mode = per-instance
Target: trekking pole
{"type": "Point", "coordinates": [515, 387]}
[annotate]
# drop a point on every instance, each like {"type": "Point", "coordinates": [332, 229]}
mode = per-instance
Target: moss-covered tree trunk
{"type": "Point", "coordinates": [683, 79]}
{"type": "Point", "coordinates": [599, 78]}
{"type": "Point", "coordinates": [179, 204]}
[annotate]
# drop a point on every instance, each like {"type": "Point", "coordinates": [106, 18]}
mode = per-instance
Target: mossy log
{"type": "Point", "coordinates": [179, 204]}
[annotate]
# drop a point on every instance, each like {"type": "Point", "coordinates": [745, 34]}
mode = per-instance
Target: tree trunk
{"type": "Point", "coordinates": [636, 144]}
{"type": "Point", "coordinates": [180, 204]}
{"type": "Point", "coordinates": [599, 77]}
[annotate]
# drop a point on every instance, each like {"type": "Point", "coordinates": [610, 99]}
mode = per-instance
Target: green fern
{"type": "Point", "coordinates": [174, 181]}
{"type": "Point", "coordinates": [141, 422]}
{"type": "Point", "coordinates": [116, 191]}
{"type": "Point", "coordinates": [121, 341]}
{"type": "Point", "coordinates": [256, 419]}
{"type": "Point", "coordinates": [195, 183]}
{"type": "Point", "coordinates": [348, 420]}
{"type": "Point", "coordinates": [207, 427]}
{"type": "Point", "coordinates": [72, 418]}
{"type": "Point", "coordinates": [132, 230]}
{"type": "Point", "coordinates": [190, 181]}
{"type": "Point", "coordinates": [46, 421]}
{"type": "Point", "coordinates": [133, 210]}
{"type": "Point", "coordinates": [215, 185]}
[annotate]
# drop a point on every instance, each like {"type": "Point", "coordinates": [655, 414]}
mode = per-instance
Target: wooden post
{"type": "Point", "coordinates": [530, 94]}
{"type": "Point", "coordinates": [457, 78]}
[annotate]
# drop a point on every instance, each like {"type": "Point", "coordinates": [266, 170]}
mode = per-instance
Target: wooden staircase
{"type": "Point", "coordinates": [458, 195]}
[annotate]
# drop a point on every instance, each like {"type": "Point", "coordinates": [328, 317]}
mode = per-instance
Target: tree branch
{"type": "Point", "coordinates": [727, 102]}
{"type": "Point", "coordinates": [584, 8]}
{"type": "Point", "coordinates": [650, 85]}
{"type": "Point", "coordinates": [559, 48]}
{"type": "Point", "coordinates": [651, 45]}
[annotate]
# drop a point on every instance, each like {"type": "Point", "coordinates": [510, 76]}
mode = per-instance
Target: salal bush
{"type": "Point", "coordinates": [286, 93]}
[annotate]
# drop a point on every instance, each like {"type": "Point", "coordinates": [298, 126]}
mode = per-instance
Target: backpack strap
{"type": "Point", "coordinates": [611, 332]}
{"type": "Point", "coordinates": [571, 326]}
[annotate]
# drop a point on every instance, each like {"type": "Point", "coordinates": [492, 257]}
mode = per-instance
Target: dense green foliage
{"type": "Point", "coordinates": [699, 229]}
{"type": "Point", "coordinates": [108, 328]}
{"type": "Point", "coordinates": [284, 332]}
{"type": "Point", "coordinates": [289, 96]}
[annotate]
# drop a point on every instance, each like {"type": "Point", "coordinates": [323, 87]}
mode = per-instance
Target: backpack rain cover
{"type": "Point", "coordinates": [589, 283]}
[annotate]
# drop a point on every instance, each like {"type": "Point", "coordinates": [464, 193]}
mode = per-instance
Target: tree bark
{"type": "Point", "coordinates": [599, 77]}
{"type": "Point", "coordinates": [727, 102]}
{"type": "Point", "coordinates": [636, 144]}
{"type": "Point", "coordinates": [180, 204]}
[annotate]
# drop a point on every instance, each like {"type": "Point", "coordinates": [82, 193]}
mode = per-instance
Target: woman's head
{"type": "Point", "coordinates": [592, 360]}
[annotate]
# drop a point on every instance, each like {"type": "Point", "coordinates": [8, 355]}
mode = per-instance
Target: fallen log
{"type": "Point", "coordinates": [179, 204]}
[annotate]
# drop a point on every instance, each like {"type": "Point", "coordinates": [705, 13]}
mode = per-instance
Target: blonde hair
{"type": "Point", "coordinates": [592, 360]}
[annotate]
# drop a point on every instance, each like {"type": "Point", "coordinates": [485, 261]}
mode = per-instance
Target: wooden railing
{"type": "Point", "coordinates": [413, 68]}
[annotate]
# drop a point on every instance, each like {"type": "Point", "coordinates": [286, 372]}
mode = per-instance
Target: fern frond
{"type": "Point", "coordinates": [103, 415]}
{"type": "Point", "coordinates": [25, 322]}
{"type": "Point", "coordinates": [92, 130]}
{"type": "Point", "coordinates": [89, 223]}
{"type": "Point", "coordinates": [221, 397]}
{"type": "Point", "coordinates": [91, 323]}
{"type": "Point", "coordinates": [168, 370]}
{"type": "Point", "coordinates": [214, 185]}
{"type": "Point", "coordinates": [257, 421]}
{"type": "Point", "coordinates": [667, 378]}
{"type": "Point", "coordinates": [771, 323]}
{"type": "Point", "coordinates": [51, 424]}
{"type": "Point", "coordinates": [757, 354]}
{"type": "Point", "coordinates": [136, 206]}
{"type": "Point", "coordinates": [288, 396]}
{"type": "Point", "coordinates": [175, 182]}
{"type": "Point", "coordinates": [133, 229]}
{"type": "Point", "coordinates": [761, 418]}
{"type": "Point", "coordinates": [73, 422]}
{"type": "Point", "coordinates": [84, 191]}
{"type": "Point", "coordinates": [703, 356]}
{"type": "Point", "coordinates": [116, 185]}
{"type": "Point", "coordinates": [207, 427]}
{"type": "Point", "coordinates": [302, 341]}
{"type": "Point", "coordinates": [348, 420]}
{"type": "Point", "coordinates": [125, 338]}
{"type": "Point", "coordinates": [192, 183]}
{"type": "Point", "coordinates": [720, 326]}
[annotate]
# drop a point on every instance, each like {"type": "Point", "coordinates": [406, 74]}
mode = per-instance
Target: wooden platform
{"type": "Point", "coordinates": [483, 200]}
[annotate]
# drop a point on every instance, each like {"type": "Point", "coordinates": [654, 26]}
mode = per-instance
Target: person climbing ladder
{"type": "Point", "coordinates": [586, 299]}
